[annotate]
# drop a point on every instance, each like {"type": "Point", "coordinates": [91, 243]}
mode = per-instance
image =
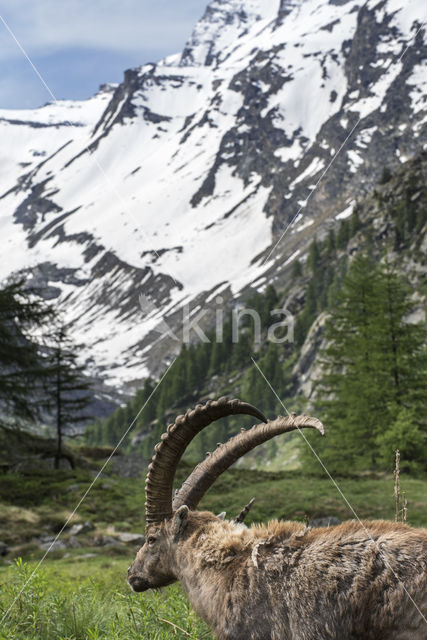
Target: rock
{"type": "Point", "coordinates": [73, 487]}
{"type": "Point", "coordinates": [329, 521]}
{"type": "Point", "coordinates": [132, 538]}
{"type": "Point", "coordinates": [46, 538]}
{"type": "Point", "coordinates": [73, 542]}
{"type": "Point", "coordinates": [307, 368]}
{"type": "Point", "coordinates": [4, 549]}
{"type": "Point", "coordinates": [84, 527]}
{"type": "Point", "coordinates": [108, 541]}
{"type": "Point", "coordinates": [54, 545]}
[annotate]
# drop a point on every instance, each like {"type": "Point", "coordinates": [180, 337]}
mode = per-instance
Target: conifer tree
{"type": "Point", "coordinates": [313, 259]}
{"type": "Point", "coordinates": [270, 365]}
{"type": "Point", "coordinates": [242, 349]}
{"type": "Point", "coordinates": [296, 271]}
{"type": "Point", "coordinates": [216, 360]}
{"type": "Point", "coordinates": [343, 234]}
{"type": "Point", "coordinates": [373, 368]}
{"type": "Point", "coordinates": [355, 223]}
{"type": "Point", "coordinates": [145, 402]}
{"type": "Point", "coordinates": [271, 301]}
{"type": "Point", "coordinates": [66, 388]}
{"type": "Point", "coordinates": [21, 363]}
{"type": "Point", "coordinates": [192, 373]}
{"type": "Point", "coordinates": [331, 243]}
{"type": "Point", "coordinates": [385, 176]}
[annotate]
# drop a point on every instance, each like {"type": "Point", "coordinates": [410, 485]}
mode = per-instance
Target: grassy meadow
{"type": "Point", "coordinates": [88, 599]}
{"type": "Point", "coordinates": [81, 593]}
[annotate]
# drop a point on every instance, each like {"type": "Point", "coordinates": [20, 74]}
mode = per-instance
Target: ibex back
{"type": "Point", "coordinates": [283, 581]}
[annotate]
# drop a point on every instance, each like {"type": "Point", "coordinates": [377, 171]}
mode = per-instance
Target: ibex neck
{"type": "Point", "coordinates": [214, 565]}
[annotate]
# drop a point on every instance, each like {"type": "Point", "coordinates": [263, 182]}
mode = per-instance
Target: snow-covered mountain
{"type": "Point", "coordinates": [179, 183]}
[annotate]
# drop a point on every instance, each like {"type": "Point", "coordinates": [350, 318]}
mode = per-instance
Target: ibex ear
{"type": "Point", "coordinates": [180, 521]}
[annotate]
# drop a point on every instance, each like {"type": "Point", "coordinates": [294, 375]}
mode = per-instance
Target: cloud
{"type": "Point", "coordinates": [45, 26]}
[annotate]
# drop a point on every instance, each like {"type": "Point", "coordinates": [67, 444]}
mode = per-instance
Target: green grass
{"type": "Point", "coordinates": [293, 495]}
{"type": "Point", "coordinates": [42, 503]}
{"type": "Point", "coordinates": [66, 600]}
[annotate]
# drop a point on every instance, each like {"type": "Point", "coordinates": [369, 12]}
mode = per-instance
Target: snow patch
{"type": "Point", "coordinates": [346, 213]}
{"type": "Point", "coordinates": [316, 165]}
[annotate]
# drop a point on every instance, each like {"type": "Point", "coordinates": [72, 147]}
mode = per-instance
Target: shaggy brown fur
{"type": "Point", "coordinates": [287, 582]}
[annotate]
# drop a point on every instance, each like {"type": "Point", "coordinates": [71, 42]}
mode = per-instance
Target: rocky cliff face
{"type": "Point", "coordinates": [209, 172]}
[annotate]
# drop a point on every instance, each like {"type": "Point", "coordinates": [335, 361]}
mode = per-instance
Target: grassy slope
{"type": "Point", "coordinates": [28, 502]}
{"type": "Point", "coordinates": [87, 598]}
{"type": "Point", "coordinates": [35, 504]}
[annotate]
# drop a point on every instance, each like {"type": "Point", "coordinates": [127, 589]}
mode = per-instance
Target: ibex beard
{"type": "Point", "coordinates": [283, 581]}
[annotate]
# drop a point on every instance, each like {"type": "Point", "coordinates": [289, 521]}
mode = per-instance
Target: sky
{"type": "Point", "coordinates": [77, 45]}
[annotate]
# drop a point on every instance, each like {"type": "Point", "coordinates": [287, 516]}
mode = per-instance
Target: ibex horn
{"type": "Point", "coordinates": [161, 471]}
{"type": "Point", "coordinates": [205, 474]}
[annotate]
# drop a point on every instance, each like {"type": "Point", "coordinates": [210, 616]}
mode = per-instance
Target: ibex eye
{"type": "Point", "coordinates": [151, 539]}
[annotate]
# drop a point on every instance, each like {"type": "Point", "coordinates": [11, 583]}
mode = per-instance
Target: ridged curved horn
{"type": "Point", "coordinates": [205, 474]}
{"type": "Point", "coordinates": [161, 471]}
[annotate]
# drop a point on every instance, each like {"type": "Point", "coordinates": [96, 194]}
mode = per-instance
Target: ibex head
{"type": "Point", "coordinates": [169, 521]}
{"type": "Point", "coordinates": [153, 566]}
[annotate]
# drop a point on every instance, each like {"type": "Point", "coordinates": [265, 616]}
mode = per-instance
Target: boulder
{"type": "Point", "coordinates": [131, 538]}
{"type": "Point", "coordinates": [107, 541]}
{"type": "Point", "coordinates": [53, 545]}
{"type": "Point", "coordinates": [73, 542]}
{"type": "Point", "coordinates": [83, 527]}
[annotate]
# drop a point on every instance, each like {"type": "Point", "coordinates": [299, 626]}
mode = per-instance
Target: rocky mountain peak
{"type": "Point", "coordinates": [181, 182]}
{"type": "Point", "coordinates": [223, 23]}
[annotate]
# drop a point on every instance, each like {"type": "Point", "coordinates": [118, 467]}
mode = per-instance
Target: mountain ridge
{"type": "Point", "coordinates": [180, 181]}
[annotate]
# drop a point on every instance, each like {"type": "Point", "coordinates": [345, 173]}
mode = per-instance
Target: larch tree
{"type": "Point", "coordinates": [373, 372]}
{"type": "Point", "coordinates": [23, 318]}
{"type": "Point", "coordinates": [67, 390]}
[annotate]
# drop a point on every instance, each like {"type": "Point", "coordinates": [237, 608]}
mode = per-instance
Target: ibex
{"type": "Point", "coordinates": [283, 581]}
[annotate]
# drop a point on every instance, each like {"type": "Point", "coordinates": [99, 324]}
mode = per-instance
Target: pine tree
{"type": "Point", "coordinates": [271, 301]}
{"type": "Point", "coordinates": [373, 367]}
{"type": "Point", "coordinates": [66, 388]}
{"type": "Point", "coordinates": [162, 401]}
{"type": "Point", "coordinates": [270, 365]}
{"type": "Point", "coordinates": [313, 259]}
{"type": "Point", "coordinates": [296, 271]}
{"type": "Point", "coordinates": [178, 376]}
{"type": "Point", "coordinates": [192, 372]}
{"type": "Point", "coordinates": [21, 355]}
{"type": "Point", "coordinates": [216, 359]}
{"type": "Point", "coordinates": [331, 242]}
{"type": "Point", "coordinates": [242, 350]}
{"type": "Point", "coordinates": [343, 234]}
{"type": "Point", "coordinates": [227, 345]}
{"type": "Point", "coordinates": [401, 345]}
{"type": "Point", "coordinates": [355, 223]}
{"type": "Point", "coordinates": [385, 175]}
{"type": "Point", "coordinates": [146, 403]}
